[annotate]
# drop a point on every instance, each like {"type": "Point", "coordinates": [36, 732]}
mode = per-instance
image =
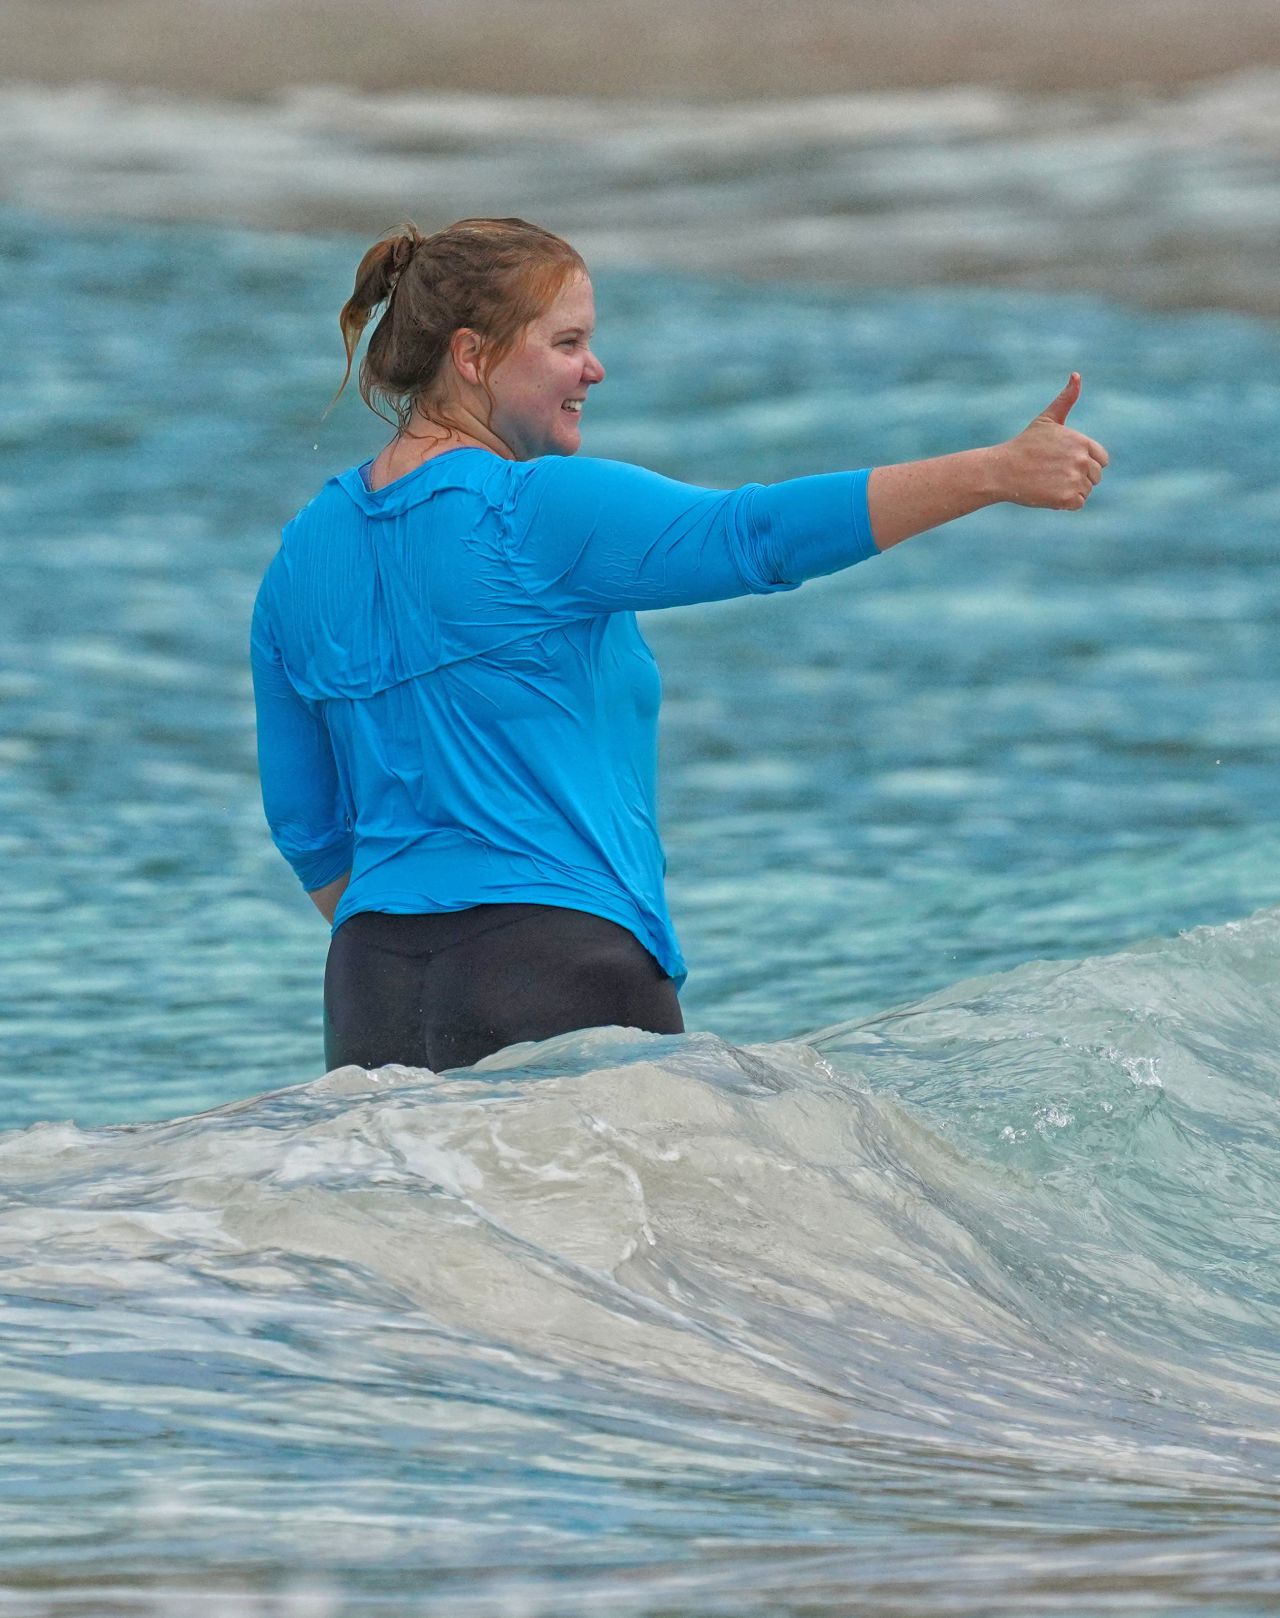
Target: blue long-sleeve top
{"type": "Point", "coordinates": [454, 700]}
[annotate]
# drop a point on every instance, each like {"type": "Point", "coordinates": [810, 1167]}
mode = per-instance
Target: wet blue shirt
{"type": "Point", "coordinates": [454, 700]}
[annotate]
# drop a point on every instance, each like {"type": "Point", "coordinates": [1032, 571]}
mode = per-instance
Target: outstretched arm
{"type": "Point", "coordinates": [1048, 464]}
{"type": "Point", "coordinates": [591, 536]}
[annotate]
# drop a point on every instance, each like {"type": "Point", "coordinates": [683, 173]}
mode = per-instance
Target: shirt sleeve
{"type": "Point", "coordinates": [301, 793]}
{"type": "Point", "coordinates": [603, 536]}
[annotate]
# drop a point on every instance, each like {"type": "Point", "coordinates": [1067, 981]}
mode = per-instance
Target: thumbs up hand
{"type": "Point", "coordinates": [1050, 464]}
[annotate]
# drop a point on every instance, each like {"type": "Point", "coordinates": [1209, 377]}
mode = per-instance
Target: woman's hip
{"type": "Point", "coordinates": [444, 989]}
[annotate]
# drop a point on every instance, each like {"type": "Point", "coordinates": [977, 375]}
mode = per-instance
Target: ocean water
{"type": "Point", "coordinates": [933, 1272]}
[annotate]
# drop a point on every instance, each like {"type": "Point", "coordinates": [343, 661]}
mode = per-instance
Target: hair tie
{"type": "Point", "coordinates": [402, 250]}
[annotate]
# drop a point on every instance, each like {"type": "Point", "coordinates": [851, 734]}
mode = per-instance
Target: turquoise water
{"type": "Point", "coordinates": [933, 1272]}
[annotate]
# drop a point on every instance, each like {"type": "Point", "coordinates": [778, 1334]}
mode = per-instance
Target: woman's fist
{"type": "Point", "coordinates": [1050, 464]}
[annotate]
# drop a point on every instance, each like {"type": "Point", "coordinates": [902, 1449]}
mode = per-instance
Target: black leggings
{"type": "Point", "coordinates": [443, 990]}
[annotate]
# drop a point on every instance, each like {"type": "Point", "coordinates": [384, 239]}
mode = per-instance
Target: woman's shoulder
{"type": "Point", "coordinates": [581, 473]}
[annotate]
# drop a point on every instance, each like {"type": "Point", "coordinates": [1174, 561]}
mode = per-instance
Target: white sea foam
{"type": "Point", "coordinates": [683, 1289]}
{"type": "Point", "coordinates": [711, 1222]}
{"type": "Point", "coordinates": [1172, 198]}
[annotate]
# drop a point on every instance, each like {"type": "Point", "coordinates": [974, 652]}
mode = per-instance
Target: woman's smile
{"type": "Point", "coordinates": [540, 388]}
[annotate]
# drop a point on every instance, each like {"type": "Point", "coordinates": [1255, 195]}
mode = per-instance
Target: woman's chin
{"type": "Point", "coordinates": [566, 440]}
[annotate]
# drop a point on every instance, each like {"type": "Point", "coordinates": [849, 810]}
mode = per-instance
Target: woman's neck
{"type": "Point", "coordinates": [424, 439]}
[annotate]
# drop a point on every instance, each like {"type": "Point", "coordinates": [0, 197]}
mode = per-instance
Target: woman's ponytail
{"type": "Point", "coordinates": [376, 277]}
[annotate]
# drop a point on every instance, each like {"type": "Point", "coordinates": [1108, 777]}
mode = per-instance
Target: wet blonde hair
{"type": "Point", "coordinates": [491, 275]}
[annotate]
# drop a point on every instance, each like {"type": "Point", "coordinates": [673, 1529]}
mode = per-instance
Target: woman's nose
{"type": "Point", "coordinates": [594, 371]}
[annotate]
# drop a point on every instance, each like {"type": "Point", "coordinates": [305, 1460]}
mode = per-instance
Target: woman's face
{"type": "Point", "coordinates": [540, 388]}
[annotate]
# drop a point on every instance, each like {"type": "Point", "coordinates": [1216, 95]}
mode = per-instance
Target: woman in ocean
{"type": "Point", "coordinates": [457, 714]}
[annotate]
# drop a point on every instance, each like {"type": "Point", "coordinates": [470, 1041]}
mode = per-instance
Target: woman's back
{"type": "Point", "coordinates": [487, 745]}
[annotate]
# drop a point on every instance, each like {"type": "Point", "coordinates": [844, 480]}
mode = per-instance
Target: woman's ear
{"type": "Point", "coordinates": [465, 349]}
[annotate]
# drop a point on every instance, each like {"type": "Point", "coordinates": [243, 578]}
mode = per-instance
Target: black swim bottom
{"type": "Point", "coordinates": [444, 989]}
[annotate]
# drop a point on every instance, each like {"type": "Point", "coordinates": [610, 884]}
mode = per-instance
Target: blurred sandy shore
{"type": "Point", "coordinates": [682, 49]}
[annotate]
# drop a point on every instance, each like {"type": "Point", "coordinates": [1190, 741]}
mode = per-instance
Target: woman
{"type": "Point", "coordinates": [457, 714]}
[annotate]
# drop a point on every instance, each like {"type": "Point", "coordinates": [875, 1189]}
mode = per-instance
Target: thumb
{"type": "Point", "coordinates": [1058, 410]}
